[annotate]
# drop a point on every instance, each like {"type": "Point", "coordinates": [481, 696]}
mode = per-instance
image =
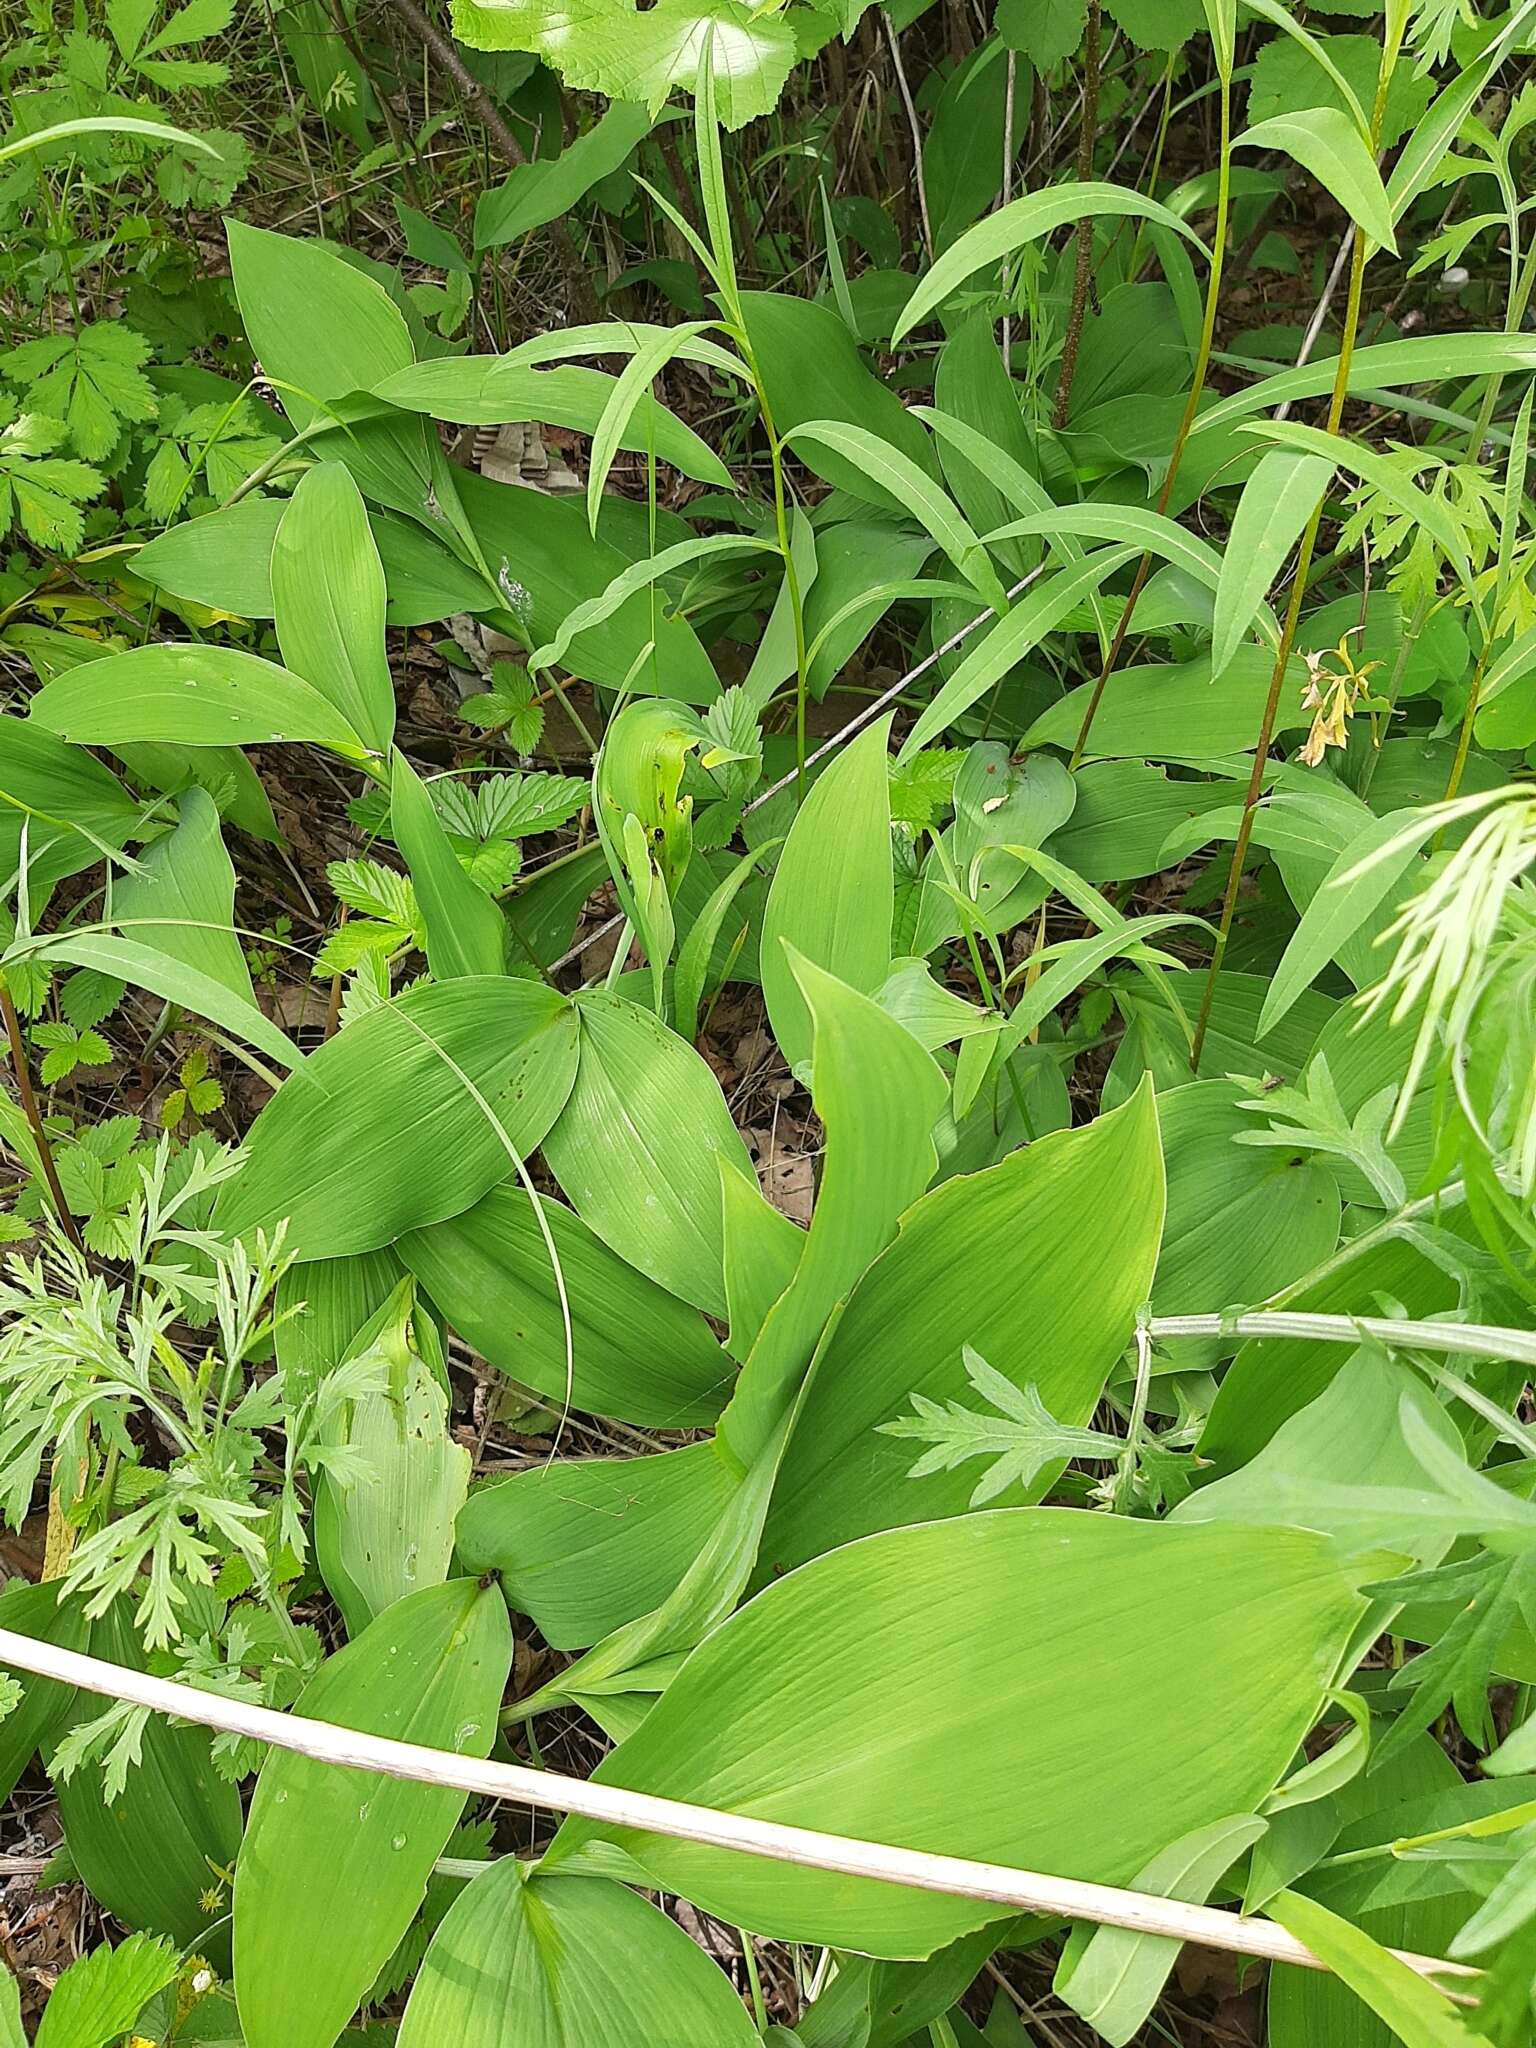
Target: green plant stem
{"type": "Point", "coordinates": [1083, 276]}
{"type": "Point", "coordinates": [1357, 265]}
{"type": "Point", "coordinates": [1186, 424]}
{"type": "Point", "coordinates": [1468, 717]}
{"type": "Point", "coordinates": [29, 1109]}
{"type": "Point", "coordinates": [754, 1981]}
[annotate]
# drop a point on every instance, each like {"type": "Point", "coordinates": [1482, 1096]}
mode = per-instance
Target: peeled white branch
{"type": "Point", "coordinates": [1023, 1890]}
{"type": "Point", "coordinates": [1473, 1340]}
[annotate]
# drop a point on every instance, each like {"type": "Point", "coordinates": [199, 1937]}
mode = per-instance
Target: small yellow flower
{"type": "Point", "coordinates": [1333, 694]}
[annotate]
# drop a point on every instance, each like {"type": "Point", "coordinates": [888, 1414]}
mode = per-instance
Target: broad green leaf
{"type": "Point", "coordinates": [1419, 2015]}
{"type": "Point", "coordinates": [536, 193]}
{"type": "Point", "coordinates": [835, 1724]}
{"type": "Point", "coordinates": [1384, 365]}
{"type": "Point", "coordinates": [625, 394]}
{"type": "Point", "coordinates": [72, 805]}
{"type": "Point", "coordinates": [905, 480]}
{"type": "Point", "coordinates": [1010, 640]}
{"type": "Point", "coordinates": [980, 424]}
{"type": "Point", "coordinates": [582, 1962]}
{"type": "Point", "coordinates": [494, 391]}
{"type": "Point", "coordinates": [11, 2035]}
{"type": "Point", "coordinates": [325, 1306]}
{"type": "Point", "coordinates": [181, 899]}
{"type": "Point", "coordinates": [637, 578]}
{"type": "Point", "coordinates": [200, 695]}
{"type": "Point", "coordinates": [335, 1862]}
{"type": "Point", "coordinates": [811, 369]}
{"type": "Point", "coordinates": [101, 1994]}
{"type": "Point", "coordinates": [147, 966]}
{"type": "Point", "coordinates": [149, 1856]}
{"type": "Point", "coordinates": [632, 56]}
{"type": "Point", "coordinates": [1243, 1220]}
{"type": "Point", "coordinates": [1086, 1206]}
{"type": "Point", "coordinates": [698, 949]}
{"type": "Point", "coordinates": [1177, 711]}
{"type": "Point", "coordinates": [1342, 1466]}
{"type": "Point", "coordinates": [387, 1529]}
{"type": "Point", "coordinates": [546, 563]}
{"type": "Point", "coordinates": [1345, 900]}
{"type": "Point", "coordinates": [1324, 141]}
{"type": "Point", "coordinates": [46, 1708]}
{"type": "Point", "coordinates": [833, 891]}
{"type": "Point", "coordinates": [1278, 499]}
{"type": "Point", "coordinates": [878, 1095]}
{"type": "Point", "coordinates": [1014, 226]}
{"type": "Point", "coordinates": [222, 559]}
{"type": "Point", "coordinates": [465, 931]}
{"type": "Point", "coordinates": [322, 332]}
{"type": "Point", "coordinates": [1113, 1977]}
{"type": "Point", "coordinates": [586, 1545]}
{"type": "Point", "coordinates": [328, 596]}
{"type": "Point", "coordinates": [762, 1250]}
{"type": "Point", "coordinates": [635, 1148]}
{"type": "Point", "coordinates": [406, 1116]}
{"type": "Point", "coordinates": [637, 1352]}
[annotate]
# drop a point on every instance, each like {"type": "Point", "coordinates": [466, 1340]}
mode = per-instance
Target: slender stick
{"type": "Point", "coordinates": [957, 1877]}
{"type": "Point", "coordinates": [1186, 424]}
{"type": "Point", "coordinates": [33, 1115]}
{"type": "Point", "coordinates": [917, 133]}
{"type": "Point", "coordinates": [1084, 273]}
{"type": "Point", "coordinates": [1360, 250]}
{"type": "Point", "coordinates": [1472, 1340]}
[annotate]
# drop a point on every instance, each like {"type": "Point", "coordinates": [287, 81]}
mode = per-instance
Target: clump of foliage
{"type": "Point", "coordinates": [768, 959]}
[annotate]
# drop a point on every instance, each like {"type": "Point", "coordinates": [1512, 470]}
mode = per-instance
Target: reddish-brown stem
{"type": "Point", "coordinates": [29, 1109]}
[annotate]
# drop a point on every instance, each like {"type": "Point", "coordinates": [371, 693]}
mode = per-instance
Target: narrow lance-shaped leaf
{"type": "Point", "coordinates": [335, 1863]}
{"type": "Point", "coordinates": [1324, 141]}
{"type": "Point", "coordinates": [1023, 221]}
{"type": "Point", "coordinates": [329, 597]}
{"type": "Point", "coordinates": [1277, 501]}
{"type": "Point", "coordinates": [466, 933]}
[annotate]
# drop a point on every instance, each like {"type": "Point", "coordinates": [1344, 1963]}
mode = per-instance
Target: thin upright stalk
{"type": "Point", "coordinates": [29, 1109]}
{"type": "Point", "coordinates": [1358, 258]}
{"type": "Point", "coordinates": [1186, 424]}
{"type": "Point", "coordinates": [1083, 275]}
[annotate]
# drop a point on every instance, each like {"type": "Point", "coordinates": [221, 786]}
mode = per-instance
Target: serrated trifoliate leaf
{"type": "Point", "coordinates": [878, 1094]}
{"type": "Point", "coordinates": [99, 1997]}
{"type": "Point", "coordinates": [833, 891]}
{"type": "Point", "coordinates": [1326, 142]}
{"type": "Point", "coordinates": [571, 1962]}
{"type": "Point", "coordinates": [635, 1149]}
{"type": "Point", "coordinates": [328, 595]}
{"type": "Point", "coordinates": [1278, 499]}
{"type": "Point", "coordinates": [335, 1862]}
{"type": "Point", "coordinates": [197, 695]}
{"type": "Point", "coordinates": [1040, 1263]}
{"type": "Point", "coordinates": [181, 899]}
{"type": "Point", "coordinates": [637, 1353]}
{"type": "Point", "coordinates": [1023, 221]}
{"type": "Point", "coordinates": [808, 1706]}
{"type": "Point", "coordinates": [1112, 1976]}
{"type": "Point", "coordinates": [466, 933]}
{"type": "Point", "coordinates": [406, 1116]}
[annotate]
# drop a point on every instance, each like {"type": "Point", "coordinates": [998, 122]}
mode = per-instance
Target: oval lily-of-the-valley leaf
{"type": "Point", "coordinates": [335, 1862]}
{"type": "Point", "coordinates": [811, 1706]}
{"type": "Point", "coordinates": [523, 1961]}
{"type": "Point", "coordinates": [1039, 1264]}
{"type": "Point", "coordinates": [410, 1114]}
